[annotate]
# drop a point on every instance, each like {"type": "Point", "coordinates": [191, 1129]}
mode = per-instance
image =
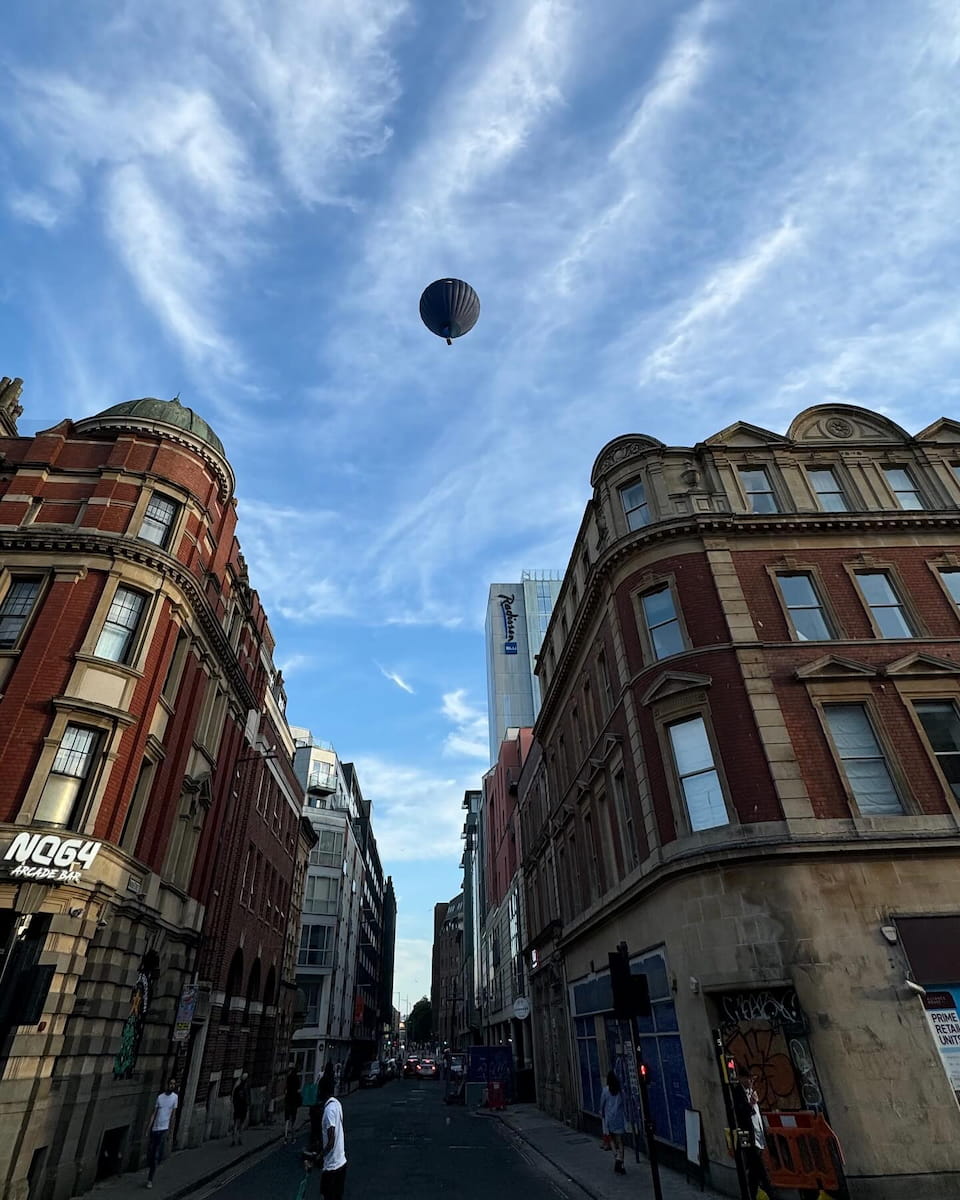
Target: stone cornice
{"type": "Point", "coordinates": [766, 852]}
{"type": "Point", "coordinates": [77, 541]}
{"type": "Point", "coordinates": [700, 527]}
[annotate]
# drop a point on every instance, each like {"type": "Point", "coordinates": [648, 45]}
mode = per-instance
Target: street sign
{"type": "Point", "coordinates": [521, 1008]}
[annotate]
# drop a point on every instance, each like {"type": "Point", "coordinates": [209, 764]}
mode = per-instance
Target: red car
{"type": "Point", "coordinates": [410, 1067]}
{"type": "Point", "coordinates": [426, 1069]}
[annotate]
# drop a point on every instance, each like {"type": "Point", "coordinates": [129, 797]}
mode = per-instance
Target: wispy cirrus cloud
{"type": "Point", "coordinates": [394, 678]}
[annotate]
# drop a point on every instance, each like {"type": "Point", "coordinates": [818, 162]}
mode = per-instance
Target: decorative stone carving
{"type": "Point", "coordinates": [839, 427]}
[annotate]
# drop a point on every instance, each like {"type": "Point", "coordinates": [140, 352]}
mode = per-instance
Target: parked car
{"type": "Point", "coordinates": [371, 1074]}
{"type": "Point", "coordinates": [410, 1067]}
{"type": "Point", "coordinates": [426, 1069]}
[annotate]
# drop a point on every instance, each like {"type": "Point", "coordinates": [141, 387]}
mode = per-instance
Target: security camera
{"type": "Point", "coordinates": [102, 924]}
{"type": "Point", "coordinates": [75, 912]}
{"type": "Point", "coordinates": [914, 987]}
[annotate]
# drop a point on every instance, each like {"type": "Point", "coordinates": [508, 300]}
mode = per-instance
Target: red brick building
{"type": "Point", "coordinates": [150, 837]}
{"type": "Point", "coordinates": [748, 768]}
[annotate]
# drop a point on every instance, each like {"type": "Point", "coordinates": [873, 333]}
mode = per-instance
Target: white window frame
{"type": "Point", "coordinates": [699, 772]}
{"type": "Point", "coordinates": [113, 626]}
{"type": "Point", "coordinates": [913, 490]}
{"type": "Point", "coordinates": [25, 616]}
{"type": "Point", "coordinates": [837, 490]}
{"type": "Point", "coordinates": [163, 541]}
{"type": "Point", "coordinates": [881, 755]}
{"type": "Point", "coordinates": [769, 490]}
{"type": "Point", "coordinates": [642, 507]}
{"type": "Point", "coordinates": [87, 741]}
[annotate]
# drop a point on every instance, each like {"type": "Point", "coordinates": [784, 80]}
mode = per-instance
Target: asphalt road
{"type": "Point", "coordinates": [403, 1142]}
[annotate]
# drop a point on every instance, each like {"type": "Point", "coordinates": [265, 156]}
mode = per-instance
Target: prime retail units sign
{"type": "Point", "coordinates": [48, 858]}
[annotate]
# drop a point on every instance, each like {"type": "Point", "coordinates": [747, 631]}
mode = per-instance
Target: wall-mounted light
{"type": "Point", "coordinates": [912, 986]}
{"type": "Point", "coordinates": [890, 933]}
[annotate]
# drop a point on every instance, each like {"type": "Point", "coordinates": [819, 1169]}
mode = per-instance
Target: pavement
{"type": "Point", "coordinates": [187, 1171]}
{"type": "Point", "coordinates": [547, 1145]}
{"type": "Point", "coordinates": [579, 1157]}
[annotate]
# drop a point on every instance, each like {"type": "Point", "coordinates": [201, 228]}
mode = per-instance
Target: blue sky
{"type": "Point", "coordinates": [675, 214]}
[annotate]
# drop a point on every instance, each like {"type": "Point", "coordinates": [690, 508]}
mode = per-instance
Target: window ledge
{"type": "Point", "coordinates": [106, 664]}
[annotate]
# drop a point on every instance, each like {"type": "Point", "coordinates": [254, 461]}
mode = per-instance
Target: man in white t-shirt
{"type": "Point", "coordinates": [334, 1158]}
{"type": "Point", "coordinates": [161, 1126]}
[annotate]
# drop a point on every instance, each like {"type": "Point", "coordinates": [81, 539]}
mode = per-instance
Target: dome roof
{"type": "Point", "coordinates": [169, 412]}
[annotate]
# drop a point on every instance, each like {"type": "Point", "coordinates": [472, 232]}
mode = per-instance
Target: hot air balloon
{"type": "Point", "coordinates": [449, 308]}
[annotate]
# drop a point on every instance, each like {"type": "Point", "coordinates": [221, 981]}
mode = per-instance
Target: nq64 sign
{"type": "Point", "coordinates": [48, 858]}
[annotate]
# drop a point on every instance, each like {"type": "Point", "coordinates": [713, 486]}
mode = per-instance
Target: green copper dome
{"type": "Point", "coordinates": [170, 412]}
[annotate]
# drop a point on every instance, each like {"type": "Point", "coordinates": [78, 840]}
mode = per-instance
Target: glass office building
{"type": "Point", "coordinates": [517, 619]}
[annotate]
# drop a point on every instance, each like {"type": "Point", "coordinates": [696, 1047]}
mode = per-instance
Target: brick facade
{"type": "Point", "coordinates": [185, 761]}
{"type": "Point", "coordinates": [740, 784]}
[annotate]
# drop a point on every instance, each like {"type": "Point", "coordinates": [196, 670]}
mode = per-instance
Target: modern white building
{"type": "Point", "coordinates": [330, 919]}
{"type": "Point", "coordinates": [517, 619]}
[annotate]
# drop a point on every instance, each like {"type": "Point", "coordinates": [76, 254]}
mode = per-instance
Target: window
{"type": "Point", "coordinates": [699, 780]}
{"type": "Point", "coordinates": [321, 895]}
{"type": "Point", "coordinates": [15, 610]}
{"type": "Point", "coordinates": [759, 490]}
{"type": "Point", "coordinates": [69, 777]}
{"type": "Point", "coordinates": [805, 607]}
{"type": "Point", "coordinates": [885, 605]}
{"type": "Point", "coordinates": [635, 506]}
{"type": "Point", "coordinates": [315, 946]}
{"type": "Point", "coordinates": [827, 487]}
{"type": "Point", "coordinates": [941, 724]}
{"type": "Point", "coordinates": [328, 852]}
{"type": "Point", "coordinates": [901, 483]}
{"type": "Point", "coordinates": [662, 622]}
{"type": "Point", "coordinates": [605, 679]}
{"type": "Point", "coordinates": [863, 761]}
{"type": "Point", "coordinates": [951, 580]}
{"type": "Point", "coordinates": [175, 670]}
{"type": "Point", "coordinates": [116, 638]}
{"type": "Point", "coordinates": [628, 833]}
{"type": "Point", "coordinates": [158, 520]}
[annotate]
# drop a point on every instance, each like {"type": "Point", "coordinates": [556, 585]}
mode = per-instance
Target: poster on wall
{"type": "Point", "coordinates": [942, 1006]}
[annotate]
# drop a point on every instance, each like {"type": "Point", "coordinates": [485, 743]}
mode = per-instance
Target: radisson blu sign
{"type": "Point", "coordinates": [509, 622]}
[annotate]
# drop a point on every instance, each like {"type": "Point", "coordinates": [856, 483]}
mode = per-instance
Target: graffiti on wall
{"type": "Point", "coordinates": [765, 1030]}
{"type": "Point", "coordinates": [126, 1057]}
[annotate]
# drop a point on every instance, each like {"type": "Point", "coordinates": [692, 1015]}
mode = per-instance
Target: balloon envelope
{"type": "Point", "coordinates": [449, 308]}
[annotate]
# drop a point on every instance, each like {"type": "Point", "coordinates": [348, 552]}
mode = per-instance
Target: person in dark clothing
{"type": "Point", "coordinates": [746, 1109]}
{"type": "Point", "coordinates": [241, 1109]}
{"type": "Point", "coordinates": [292, 1099]}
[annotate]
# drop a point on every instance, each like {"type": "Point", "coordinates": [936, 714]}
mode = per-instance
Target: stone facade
{"type": "Point", "coordinates": [138, 707]}
{"type": "Point", "coordinates": [745, 770]}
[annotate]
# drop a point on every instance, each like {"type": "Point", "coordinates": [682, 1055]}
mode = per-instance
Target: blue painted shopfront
{"type": "Point", "coordinates": [603, 1043]}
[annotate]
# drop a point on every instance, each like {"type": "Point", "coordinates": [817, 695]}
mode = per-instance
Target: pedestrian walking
{"type": "Point", "coordinates": [746, 1108]}
{"type": "Point", "coordinates": [334, 1175]}
{"type": "Point", "coordinates": [241, 1109]}
{"type": "Point", "coordinates": [326, 1086]}
{"type": "Point", "coordinates": [161, 1126]}
{"type": "Point", "coordinates": [614, 1118]}
{"type": "Point", "coordinates": [292, 1099]}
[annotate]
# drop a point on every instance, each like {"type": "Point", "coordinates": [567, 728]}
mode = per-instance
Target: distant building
{"type": "Point", "coordinates": [517, 618]}
{"type": "Point", "coordinates": [446, 982]}
{"type": "Point", "coordinates": [503, 927]}
{"type": "Point", "coordinates": [330, 919]}
{"type": "Point", "coordinates": [468, 1018]}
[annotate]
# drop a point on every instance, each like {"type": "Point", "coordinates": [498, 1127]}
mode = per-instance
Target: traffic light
{"type": "Point", "coordinates": [644, 1073]}
{"type": "Point", "coordinates": [631, 994]}
{"type": "Point", "coordinates": [730, 1068]}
